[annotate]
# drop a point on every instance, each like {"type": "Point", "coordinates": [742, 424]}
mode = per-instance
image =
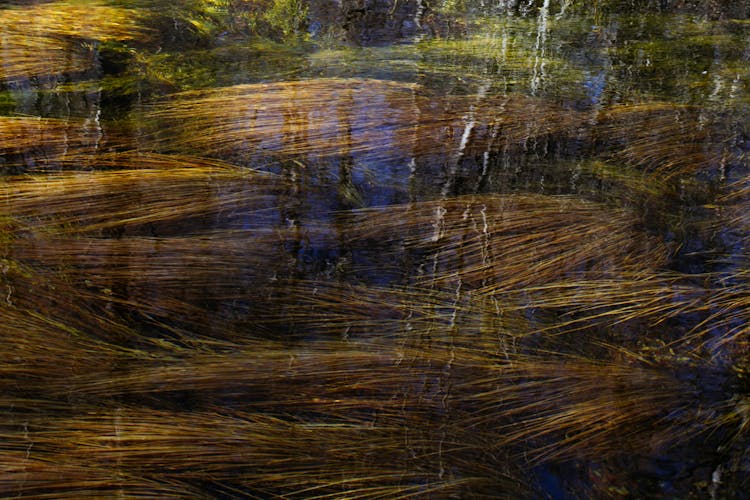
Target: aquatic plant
{"type": "Point", "coordinates": [547, 292]}
{"type": "Point", "coordinates": [497, 243]}
{"type": "Point", "coordinates": [664, 139]}
{"type": "Point", "coordinates": [52, 38]}
{"type": "Point", "coordinates": [326, 116]}
{"type": "Point", "coordinates": [144, 189]}
{"type": "Point", "coordinates": [34, 143]}
{"type": "Point", "coordinates": [254, 455]}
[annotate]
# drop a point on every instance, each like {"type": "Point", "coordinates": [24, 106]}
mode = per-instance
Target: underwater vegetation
{"type": "Point", "coordinates": [42, 40]}
{"type": "Point", "coordinates": [314, 250]}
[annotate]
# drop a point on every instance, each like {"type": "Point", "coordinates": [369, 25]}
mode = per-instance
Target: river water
{"type": "Point", "coordinates": [374, 249]}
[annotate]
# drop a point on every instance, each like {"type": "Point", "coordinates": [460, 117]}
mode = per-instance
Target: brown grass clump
{"type": "Point", "coordinates": [560, 407]}
{"type": "Point", "coordinates": [247, 454]}
{"type": "Point", "coordinates": [667, 140]}
{"type": "Point", "coordinates": [726, 325]}
{"type": "Point", "coordinates": [144, 190]}
{"type": "Point", "coordinates": [184, 280]}
{"type": "Point", "coordinates": [500, 243]}
{"type": "Point", "coordinates": [429, 410]}
{"type": "Point", "coordinates": [435, 410]}
{"type": "Point", "coordinates": [53, 38]}
{"type": "Point", "coordinates": [380, 120]}
{"type": "Point", "coordinates": [160, 236]}
{"type": "Point", "coordinates": [42, 143]}
{"type": "Point", "coordinates": [36, 307]}
{"type": "Point", "coordinates": [650, 299]}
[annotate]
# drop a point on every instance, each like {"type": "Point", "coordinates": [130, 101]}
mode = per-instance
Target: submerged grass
{"type": "Point", "coordinates": [147, 354]}
{"type": "Point", "coordinates": [182, 327]}
{"type": "Point", "coordinates": [499, 243]}
{"type": "Point", "coordinates": [34, 143]}
{"type": "Point", "coordinates": [241, 453]}
{"type": "Point", "coordinates": [356, 420]}
{"type": "Point", "coordinates": [382, 120]}
{"type": "Point", "coordinates": [665, 140]}
{"type": "Point", "coordinates": [141, 190]}
{"type": "Point", "coordinates": [423, 402]}
{"type": "Point", "coordinates": [52, 38]}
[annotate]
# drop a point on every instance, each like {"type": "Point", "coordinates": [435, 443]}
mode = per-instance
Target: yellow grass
{"type": "Point", "coordinates": [51, 38]}
{"type": "Point", "coordinates": [327, 117]}
{"type": "Point", "coordinates": [499, 243]}
{"type": "Point", "coordinates": [143, 190]}
{"type": "Point", "coordinates": [664, 139]}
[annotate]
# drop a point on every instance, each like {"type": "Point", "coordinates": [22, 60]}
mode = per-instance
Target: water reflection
{"type": "Point", "coordinates": [385, 249]}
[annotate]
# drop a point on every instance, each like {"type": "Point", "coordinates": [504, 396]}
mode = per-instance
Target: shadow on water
{"type": "Point", "coordinates": [374, 249]}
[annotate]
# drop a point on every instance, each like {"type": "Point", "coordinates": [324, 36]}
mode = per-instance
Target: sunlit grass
{"type": "Point", "coordinates": [664, 139]}
{"type": "Point", "coordinates": [313, 119]}
{"type": "Point", "coordinates": [497, 243]}
{"type": "Point", "coordinates": [142, 189]}
{"type": "Point", "coordinates": [52, 38]}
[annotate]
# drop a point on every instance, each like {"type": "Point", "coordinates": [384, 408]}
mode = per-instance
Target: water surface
{"type": "Point", "coordinates": [296, 249]}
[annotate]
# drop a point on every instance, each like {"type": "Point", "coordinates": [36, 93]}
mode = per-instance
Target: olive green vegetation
{"type": "Point", "coordinates": [464, 267]}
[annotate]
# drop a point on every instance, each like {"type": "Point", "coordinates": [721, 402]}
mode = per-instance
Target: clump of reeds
{"type": "Point", "coordinates": [564, 406]}
{"type": "Point", "coordinates": [183, 280]}
{"type": "Point", "coordinates": [313, 119]}
{"type": "Point", "coordinates": [247, 453]}
{"type": "Point", "coordinates": [39, 144]}
{"type": "Point", "coordinates": [379, 416]}
{"type": "Point", "coordinates": [667, 140]}
{"type": "Point", "coordinates": [434, 410]}
{"type": "Point", "coordinates": [50, 38]}
{"type": "Point", "coordinates": [142, 190]}
{"type": "Point", "coordinates": [167, 237]}
{"type": "Point", "coordinates": [499, 243]}
{"type": "Point", "coordinates": [649, 299]}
